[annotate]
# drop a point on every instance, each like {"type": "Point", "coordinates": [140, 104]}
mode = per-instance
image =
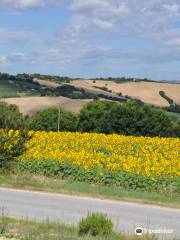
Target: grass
{"type": "Point", "coordinates": [7, 90]}
{"type": "Point", "coordinates": [40, 183]}
{"type": "Point", "coordinates": [25, 230]}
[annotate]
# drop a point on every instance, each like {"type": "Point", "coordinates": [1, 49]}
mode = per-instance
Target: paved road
{"type": "Point", "coordinates": [70, 209]}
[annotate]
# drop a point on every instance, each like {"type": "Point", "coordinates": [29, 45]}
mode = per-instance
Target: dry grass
{"type": "Point", "coordinates": [47, 83]}
{"type": "Point", "coordinates": [29, 230]}
{"type": "Point", "coordinates": [148, 92]}
{"type": "Point", "coordinates": [85, 84]}
{"type": "Point", "coordinates": [30, 105]}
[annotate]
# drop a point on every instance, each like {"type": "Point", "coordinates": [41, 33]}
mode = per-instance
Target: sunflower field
{"type": "Point", "coordinates": [131, 162]}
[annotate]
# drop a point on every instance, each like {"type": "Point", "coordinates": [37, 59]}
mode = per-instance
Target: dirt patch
{"type": "Point", "coordinates": [30, 105]}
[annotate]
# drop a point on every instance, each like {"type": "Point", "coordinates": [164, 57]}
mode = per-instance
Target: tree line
{"type": "Point", "coordinates": [24, 83]}
{"type": "Point", "coordinates": [97, 116]}
{"type": "Point", "coordinates": [173, 107]}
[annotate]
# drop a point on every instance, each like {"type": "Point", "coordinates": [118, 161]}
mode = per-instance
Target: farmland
{"type": "Point", "coordinates": [30, 105]}
{"type": "Point", "coordinates": [7, 90]}
{"type": "Point", "coordinates": [132, 162]}
{"type": "Point", "coordinates": [141, 152]}
{"type": "Point", "coordinates": [130, 168]}
{"type": "Point", "coordinates": [147, 92]}
{"type": "Point", "coordinates": [89, 108]}
{"type": "Point", "coordinates": [12, 86]}
{"type": "Point", "coordinates": [22, 85]}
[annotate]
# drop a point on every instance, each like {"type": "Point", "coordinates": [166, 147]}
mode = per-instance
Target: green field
{"type": "Point", "coordinates": [7, 90]}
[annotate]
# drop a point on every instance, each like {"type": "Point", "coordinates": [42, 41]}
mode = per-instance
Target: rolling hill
{"type": "Point", "coordinates": [30, 105]}
{"type": "Point", "coordinates": [147, 92]}
{"type": "Point", "coordinates": [35, 92]}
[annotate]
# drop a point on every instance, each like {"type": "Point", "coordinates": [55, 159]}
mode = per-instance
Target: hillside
{"type": "Point", "coordinates": [30, 105]}
{"type": "Point", "coordinates": [17, 86]}
{"type": "Point", "coordinates": [7, 89]}
{"type": "Point", "coordinates": [28, 85]}
{"type": "Point", "coordinates": [147, 92]}
{"type": "Point", "coordinates": [46, 91]}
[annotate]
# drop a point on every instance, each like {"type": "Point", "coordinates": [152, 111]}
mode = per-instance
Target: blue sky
{"type": "Point", "coordinates": [91, 38]}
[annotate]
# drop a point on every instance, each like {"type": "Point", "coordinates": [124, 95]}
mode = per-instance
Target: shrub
{"type": "Point", "coordinates": [95, 224]}
{"type": "Point", "coordinates": [11, 146]}
{"type": "Point", "coordinates": [10, 118]}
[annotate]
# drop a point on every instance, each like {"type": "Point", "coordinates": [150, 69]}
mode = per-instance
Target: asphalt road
{"type": "Point", "coordinates": [70, 209]}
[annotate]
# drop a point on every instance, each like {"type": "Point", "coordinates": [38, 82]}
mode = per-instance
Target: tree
{"type": "Point", "coordinates": [10, 117]}
{"type": "Point", "coordinates": [133, 119]}
{"type": "Point", "coordinates": [91, 115]}
{"type": "Point", "coordinates": [127, 119]}
{"type": "Point", "coordinates": [47, 120]}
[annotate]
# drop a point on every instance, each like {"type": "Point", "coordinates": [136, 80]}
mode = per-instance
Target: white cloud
{"type": "Point", "coordinates": [172, 8]}
{"type": "Point", "coordinates": [13, 35]}
{"type": "Point", "coordinates": [100, 13]}
{"type": "Point", "coordinates": [150, 19]}
{"type": "Point", "coordinates": [21, 4]}
{"type": "Point", "coordinates": [3, 60]}
{"type": "Point", "coordinates": [106, 8]}
{"type": "Point", "coordinates": [174, 42]}
{"type": "Point", "coordinates": [102, 24]}
{"type": "Point", "coordinates": [18, 56]}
